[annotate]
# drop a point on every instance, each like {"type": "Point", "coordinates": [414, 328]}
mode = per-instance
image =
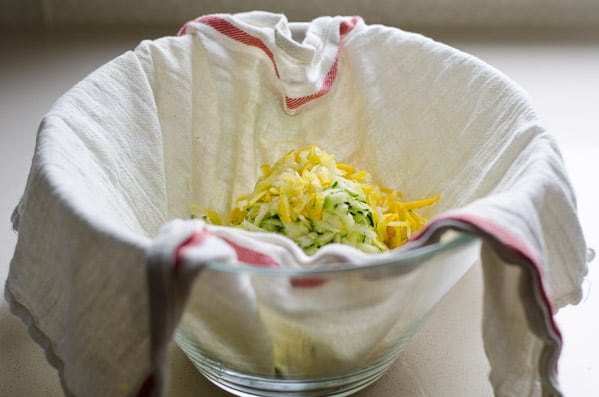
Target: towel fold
{"type": "Point", "coordinates": [103, 270]}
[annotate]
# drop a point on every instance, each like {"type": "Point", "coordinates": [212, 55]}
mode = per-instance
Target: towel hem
{"type": "Point", "coordinates": [38, 335]}
{"type": "Point", "coordinates": [495, 235]}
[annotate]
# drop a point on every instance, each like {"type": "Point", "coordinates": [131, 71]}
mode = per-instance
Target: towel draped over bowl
{"type": "Point", "coordinates": [102, 270]}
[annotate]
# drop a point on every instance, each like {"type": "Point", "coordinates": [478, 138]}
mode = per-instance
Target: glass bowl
{"type": "Point", "coordinates": [332, 331]}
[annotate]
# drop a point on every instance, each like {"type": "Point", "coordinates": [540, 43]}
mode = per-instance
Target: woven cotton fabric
{"type": "Point", "coordinates": [190, 118]}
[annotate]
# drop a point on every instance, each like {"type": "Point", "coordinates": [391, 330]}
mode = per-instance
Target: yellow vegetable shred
{"type": "Point", "coordinates": [314, 200]}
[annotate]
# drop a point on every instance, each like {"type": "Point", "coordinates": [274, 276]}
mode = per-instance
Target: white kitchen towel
{"type": "Point", "coordinates": [189, 119]}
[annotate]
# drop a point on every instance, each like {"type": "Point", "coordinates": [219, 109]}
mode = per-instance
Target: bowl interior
{"type": "Point", "coordinates": [293, 330]}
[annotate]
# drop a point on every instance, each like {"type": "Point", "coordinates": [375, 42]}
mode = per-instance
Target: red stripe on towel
{"type": "Point", "coordinates": [255, 258]}
{"type": "Point", "coordinates": [347, 25]}
{"type": "Point", "coordinates": [307, 282]}
{"type": "Point", "coordinates": [247, 256]}
{"type": "Point", "coordinates": [509, 240]}
{"type": "Point", "coordinates": [251, 257]}
{"type": "Point", "coordinates": [294, 103]}
{"type": "Point", "coordinates": [228, 29]}
{"type": "Point", "coordinates": [344, 28]}
{"type": "Point", "coordinates": [196, 238]}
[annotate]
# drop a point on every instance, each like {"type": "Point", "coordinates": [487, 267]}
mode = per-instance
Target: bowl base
{"type": "Point", "coordinates": [244, 385]}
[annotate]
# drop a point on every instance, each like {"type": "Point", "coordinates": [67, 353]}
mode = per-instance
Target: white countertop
{"type": "Point", "coordinates": [560, 71]}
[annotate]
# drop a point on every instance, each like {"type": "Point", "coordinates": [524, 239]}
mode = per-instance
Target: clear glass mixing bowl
{"type": "Point", "coordinates": [331, 331]}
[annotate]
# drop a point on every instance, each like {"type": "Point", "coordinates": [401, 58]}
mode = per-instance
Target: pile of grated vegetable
{"type": "Point", "coordinates": [314, 200]}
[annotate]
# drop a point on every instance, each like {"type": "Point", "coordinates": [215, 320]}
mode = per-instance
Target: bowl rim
{"type": "Point", "coordinates": [405, 258]}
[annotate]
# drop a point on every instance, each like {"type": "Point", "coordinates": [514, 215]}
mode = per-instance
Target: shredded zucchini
{"type": "Point", "coordinates": [310, 198]}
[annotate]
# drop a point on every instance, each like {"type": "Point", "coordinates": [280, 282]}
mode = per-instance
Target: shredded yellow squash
{"type": "Point", "coordinates": [314, 200]}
